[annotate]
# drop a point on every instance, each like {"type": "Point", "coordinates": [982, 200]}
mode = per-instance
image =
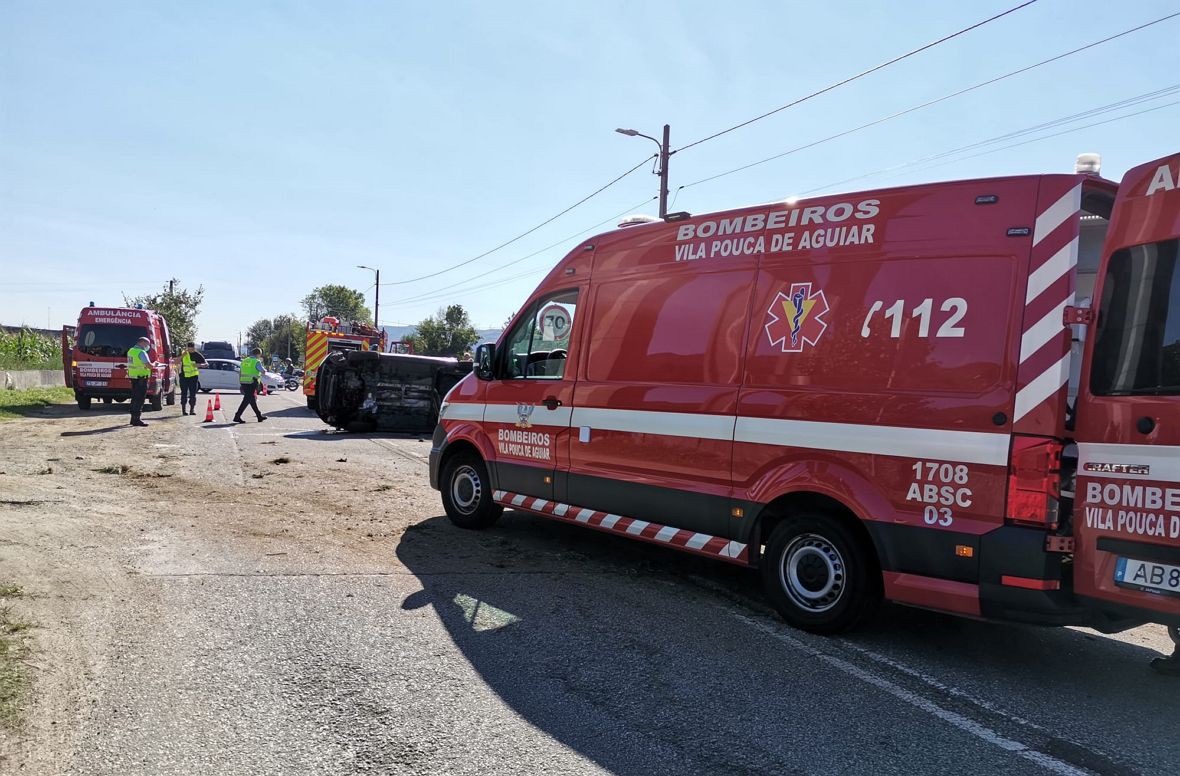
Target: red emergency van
{"type": "Point", "coordinates": [95, 355]}
{"type": "Point", "coordinates": [895, 394]}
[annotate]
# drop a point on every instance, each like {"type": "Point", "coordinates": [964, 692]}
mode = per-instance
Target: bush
{"type": "Point", "coordinates": [29, 350]}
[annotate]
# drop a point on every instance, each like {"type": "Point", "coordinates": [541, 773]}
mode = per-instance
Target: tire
{"type": "Point", "coordinates": [467, 492]}
{"type": "Point", "coordinates": [206, 390]}
{"type": "Point", "coordinates": [106, 400]}
{"type": "Point", "coordinates": [312, 404]}
{"type": "Point", "coordinates": [170, 399]}
{"type": "Point", "coordinates": [820, 575]}
{"type": "Point", "coordinates": [83, 401]}
{"type": "Point", "coordinates": [156, 402]}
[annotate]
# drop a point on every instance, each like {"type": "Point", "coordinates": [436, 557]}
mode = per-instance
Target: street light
{"type": "Point", "coordinates": [376, 294]}
{"type": "Point", "coordinates": [665, 152]}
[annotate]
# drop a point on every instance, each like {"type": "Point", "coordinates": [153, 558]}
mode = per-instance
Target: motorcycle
{"type": "Point", "coordinates": [294, 380]}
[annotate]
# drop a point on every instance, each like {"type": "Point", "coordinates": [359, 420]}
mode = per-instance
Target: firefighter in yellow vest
{"type": "Point", "coordinates": [189, 364]}
{"type": "Point", "coordinates": [250, 377]}
{"type": "Point", "coordinates": [139, 369]}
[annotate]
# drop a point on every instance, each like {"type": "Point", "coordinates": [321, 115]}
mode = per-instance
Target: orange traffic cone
{"type": "Point", "coordinates": [208, 413]}
{"type": "Point", "coordinates": [217, 401]}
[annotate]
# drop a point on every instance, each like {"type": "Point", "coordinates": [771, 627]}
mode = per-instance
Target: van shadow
{"type": "Point", "coordinates": [584, 635]}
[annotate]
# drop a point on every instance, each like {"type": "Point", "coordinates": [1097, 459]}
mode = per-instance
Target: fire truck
{"type": "Point", "coordinates": [962, 396]}
{"type": "Point", "coordinates": [329, 335]}
{"type": "Point", "coordinates": [94, 355]}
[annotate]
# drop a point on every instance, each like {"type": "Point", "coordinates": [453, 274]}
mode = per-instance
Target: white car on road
{"type": "Point", "coordinates": [221, 374]}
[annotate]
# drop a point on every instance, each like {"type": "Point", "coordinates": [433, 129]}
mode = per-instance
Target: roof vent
{"type": "Point", "coordinates": [1088, 164]}
{"type": "Point", "coordinates": [637, 220]}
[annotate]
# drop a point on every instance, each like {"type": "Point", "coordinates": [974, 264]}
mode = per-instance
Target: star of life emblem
{"type": "Point", "coordinates": [796, 318]}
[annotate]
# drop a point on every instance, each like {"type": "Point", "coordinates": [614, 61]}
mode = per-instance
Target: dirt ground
{"type": "Point", "coordinates": [276, 598]}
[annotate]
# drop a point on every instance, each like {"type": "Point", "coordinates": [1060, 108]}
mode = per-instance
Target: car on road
{"type": "Point", "coordinates": [221, 374]}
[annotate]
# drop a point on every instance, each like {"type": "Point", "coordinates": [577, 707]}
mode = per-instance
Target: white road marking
{"type": "Point", "coordinates": [952, 718]}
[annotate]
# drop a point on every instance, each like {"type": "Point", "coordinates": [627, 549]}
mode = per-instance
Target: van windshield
{"type": "Point", "coordinates": [109, 340]}
{"type": "Point", "coordinates": [1137, 350]}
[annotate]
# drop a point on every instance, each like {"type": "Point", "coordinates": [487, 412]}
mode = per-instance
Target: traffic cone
{"type": "Point", "coordinates": [208, 413]}
{"type": "Point", "coordinates": [217, 401]}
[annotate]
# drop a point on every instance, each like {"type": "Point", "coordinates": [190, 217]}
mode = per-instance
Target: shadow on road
{"type": "Point", "coordinates": [635, 657]}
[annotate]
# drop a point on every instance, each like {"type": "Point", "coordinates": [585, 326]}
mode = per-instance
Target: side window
{"type": "Point", "coordinates": [538, 345]}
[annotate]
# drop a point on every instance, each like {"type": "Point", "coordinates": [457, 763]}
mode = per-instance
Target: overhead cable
{"type": "Point", "coordinates": [522, 235]}
{"type": "Point", "coordinates": [858, 76]}
{"type": "Point", "coordinates": [929, 103]}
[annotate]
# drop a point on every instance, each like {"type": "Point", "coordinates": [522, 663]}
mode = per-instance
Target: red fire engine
{"type": "Point", "coordinates": [328, 335]}
{"type": "Point", "coordinates": [960, 396]}
{"type": "Point", "coordinates": [94, 355]}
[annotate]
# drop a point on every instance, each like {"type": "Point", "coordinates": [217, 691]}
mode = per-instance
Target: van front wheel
{"type": "Point", "coordinates": [820, 575]}
{"type": "Point", "coordinates": [467, 492]}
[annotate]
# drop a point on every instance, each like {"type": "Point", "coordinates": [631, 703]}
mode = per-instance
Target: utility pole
{"type": "Point", "coordinates": [665, 154]}
{"type": "Point", "coordinates": [171, 284]}
{"type": "Point", "coordinates": [376, 294]}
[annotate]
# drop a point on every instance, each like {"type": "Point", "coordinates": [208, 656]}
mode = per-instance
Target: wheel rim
{"type": "Point", "coordinates": [813, 573]}
{"type": "Point", "coordinates": [466, 489]}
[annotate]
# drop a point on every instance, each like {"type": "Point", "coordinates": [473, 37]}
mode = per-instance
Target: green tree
{"type": "Point", "coordinates": [283, 336]}
{"type": "Point", "coordinates": [446, 333]}
{"type": "Point", "coordinates": [178, 305]}
{"type": "Point", "coordinates": [338, 301]}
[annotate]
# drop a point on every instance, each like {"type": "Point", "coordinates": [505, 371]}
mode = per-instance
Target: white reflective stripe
{"type": "Point", "coordinates": [1056, 214]}
{"type": "Point", "coordinates": [677, 424]}
{"type": "Point", "coordinates": [610, 520]}
{"type": "Point", "coordinates": [698, 541]}
{"type": "Point", "coordinates": [637, 527]}
{"type": "Point", "coordinates": [1042, 387]}
{"type": "Point", "coordinates": [561, 509]}
{"type": "Point", "coordinates": [666, 533]}
{"type": "Point", "coordinates": [1163, 460]}
{"type": "Point", "coordinates": [1043, 330]}
{"type": "Point", "coordinates": [585, 515]}
{"type": "Point", "coordinates": [461, 411]}
{"type": "Point", "coordinates": [732, 550]}
{"type": "Point", "coordinates": [935, 444]}
{"type": "Point", "coordinates": [499, 495]}
{"type": "Point", "coordinates": [518, 500]}
{"type": "Point", "coordinates": [539, 504]}
{"type": "Point", "coordinates": [1048, 273]}
{"type": "Point", "coordinates": [540, 416]}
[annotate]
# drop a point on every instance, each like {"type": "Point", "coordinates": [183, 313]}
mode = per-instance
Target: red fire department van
{"type": "Point", "coordinates": [960, 396]}
{"type": "Point", "coordinates": [95, 355]}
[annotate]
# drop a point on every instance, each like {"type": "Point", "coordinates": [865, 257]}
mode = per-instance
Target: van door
{"type": "Point", "coordinates": [1127, 497]}
{"type": "Point", "coordinates": [527, 416]}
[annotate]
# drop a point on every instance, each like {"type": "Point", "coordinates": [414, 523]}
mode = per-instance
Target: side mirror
{"type": "Point", "coordinates": [485, 358]}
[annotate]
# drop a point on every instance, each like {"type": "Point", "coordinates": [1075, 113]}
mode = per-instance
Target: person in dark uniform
{"type": "Point", "coordinates": [190, 378]}
{"type": "Point", "coordinates": [250, 378]}
{"type": "Point", "coordinates": [1170, 666]}
{"type": "Point", "coordinates": [139, 369]}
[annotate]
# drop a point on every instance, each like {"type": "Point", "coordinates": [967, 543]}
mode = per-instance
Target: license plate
{"type": "Point", "coordinates": [96, 383]}
{"type": "Point", "coordinates": [1145, 575]}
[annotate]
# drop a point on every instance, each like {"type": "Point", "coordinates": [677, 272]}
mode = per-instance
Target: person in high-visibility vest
{"type": "Point", "coordinates": [139, 369]}
{"type": "Point", "coordinates": [190, 361]}
{"type": "Point", "coordinates": [250, 377]}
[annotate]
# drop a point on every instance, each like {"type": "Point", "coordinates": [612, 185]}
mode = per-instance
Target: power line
{"type": "Point", "coordinates": [1017, 133]}
{"type": "Point", "coordinates": [929, 103]}
{"type": "Point", "coordinates": [431, 294]}
{"type": "Point", "coordinates": [522, 235]}
{"type": "Point", "coordinates": [860, 75]}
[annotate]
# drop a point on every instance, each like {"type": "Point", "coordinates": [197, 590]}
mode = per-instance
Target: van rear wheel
{"type": "Point", "coordinates": [467, 492]}
{"type": "Point", "coordinates": [820, 575]}
{"type": "Point", "coordinates": [83, 401]}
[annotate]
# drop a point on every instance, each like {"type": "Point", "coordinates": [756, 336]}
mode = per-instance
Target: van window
{"type": "Point", "coordinates": [1137, 349]}
{"type": "Point", "coordinates": [538, 345]}
{"type": "Point", "coordinates": [105, 339]}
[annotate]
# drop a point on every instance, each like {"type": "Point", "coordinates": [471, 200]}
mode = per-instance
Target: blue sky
{"type": "Point", "coordinates": [265, 148]}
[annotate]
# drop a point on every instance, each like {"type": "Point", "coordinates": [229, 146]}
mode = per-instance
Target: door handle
{"type": "Point", "coordinates": [551, 402]}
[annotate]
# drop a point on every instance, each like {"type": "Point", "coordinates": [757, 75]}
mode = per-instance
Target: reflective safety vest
{"type": "Point", "coordinates": [135, 367]}
{"type": "Point", "coordinates": [189, 369]}
{"type": "Point", "coordinates": [251, 370]}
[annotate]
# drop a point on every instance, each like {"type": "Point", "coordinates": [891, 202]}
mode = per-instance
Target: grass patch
{"type": "Point", "coordinates": [21, 404]}
{"type": "Point", "coordinates": [14, 648]}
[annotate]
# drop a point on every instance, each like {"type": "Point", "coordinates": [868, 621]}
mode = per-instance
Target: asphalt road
{"type": "Point", "coordinates": [212, 610]}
